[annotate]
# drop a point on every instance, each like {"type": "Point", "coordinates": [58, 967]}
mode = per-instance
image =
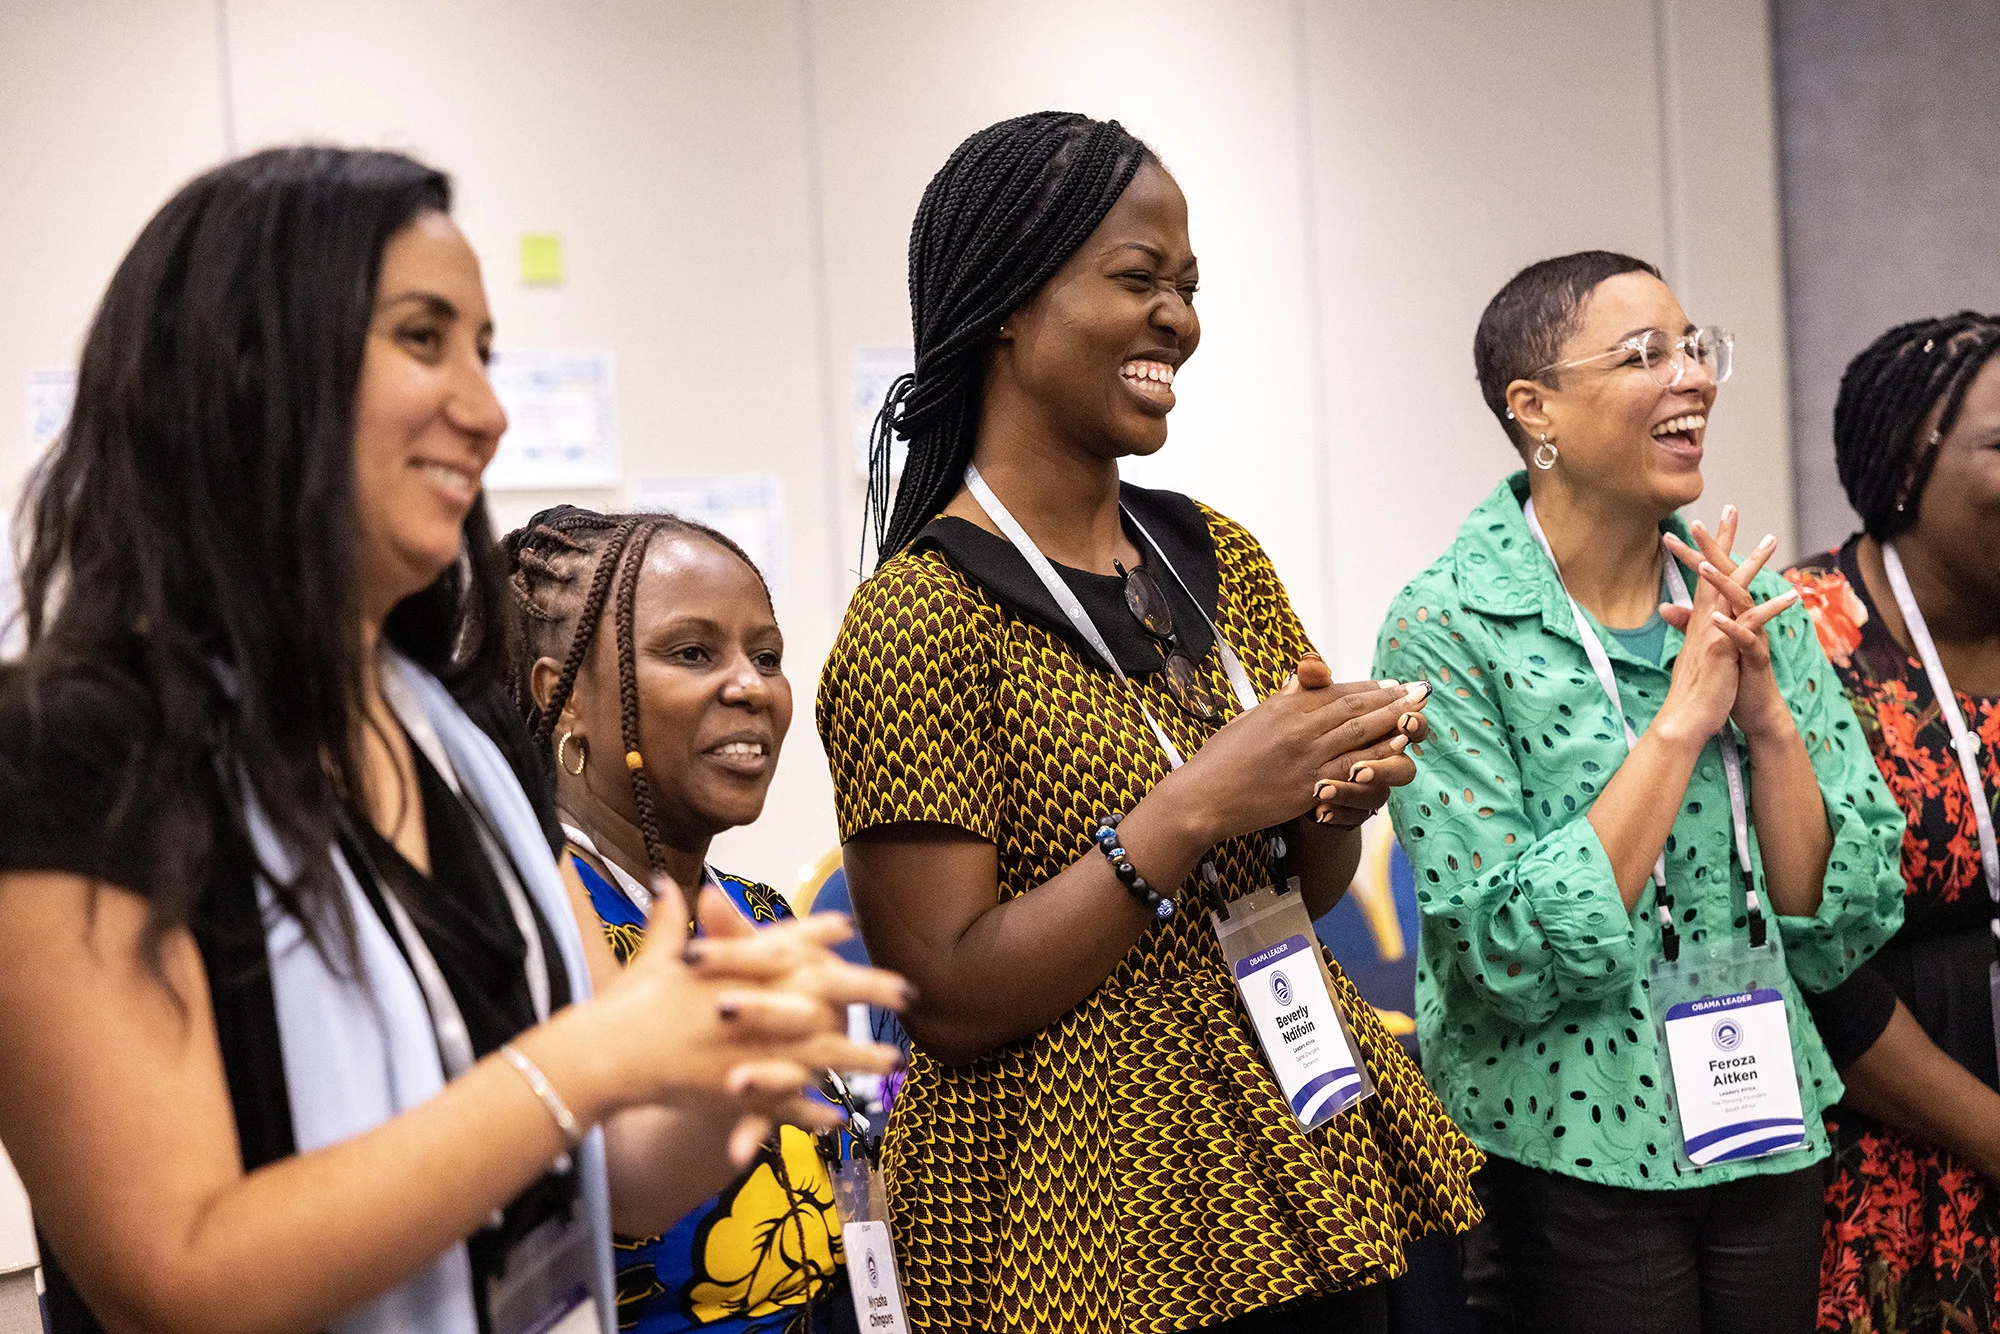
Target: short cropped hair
{"type": "Point", "coordinates": [1526, 323]}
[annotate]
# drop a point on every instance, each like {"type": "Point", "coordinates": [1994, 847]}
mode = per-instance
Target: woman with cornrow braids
{"type": "Point", "coordinates": [1908, 609]}
{"type": "Point", "coordinates": [1052, 767]}
{"type": "Point", "coordinates": [650, 669]}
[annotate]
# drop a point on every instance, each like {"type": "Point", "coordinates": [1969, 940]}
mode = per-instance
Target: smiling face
{"type": "Point", "coordinates": [1958, 511]}
{"type": "Point", "coordinates": [426, 422]}
{"type": "Point", "coordinates": [1091, 358]}
{"type": "Point", "coordinates": [714, 704]}
{"type": "Point", "coordinates": [1619, 434]}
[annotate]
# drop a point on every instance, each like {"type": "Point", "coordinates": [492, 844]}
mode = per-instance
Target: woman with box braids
{"type": "Point", "coordinates": [1008, 207]}
{"type": "Point", "coordinates": [1916, 433]}
{"type": "Point", "coordinates": [1883, 453]}
{"type": "Point", "coordinates": [1047, 781]}
{"type": "Point", "coordinates": [659, 630]}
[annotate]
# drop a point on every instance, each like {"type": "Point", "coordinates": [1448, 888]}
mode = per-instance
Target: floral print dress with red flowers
{"type": "Point", "coordinates": [1912, 1232]}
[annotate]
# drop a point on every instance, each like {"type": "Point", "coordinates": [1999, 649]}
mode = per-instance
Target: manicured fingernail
{"type": "Point", "coordinates": [1789, 596]}
{"type": "Point", "coordinates": [1322, 817]}
{"type": "Point", "coordinates": [1728, 511]}
{"type": "Point", "coordinates": [728, 1011]}
{"type": "Point", "coordinates": [1408, 723]}
{"type": "Point", "coordinates": [1390, 684]}
{"type": "Point", "coordinates": [1322, 787]}
{"type": "Point", "coordinates": [1418, 691]}
{"type": "Point", "coordinates": [1398, 742]}
{"type": "Point", "coordinates": [1720, 619]}
{"type": "Point", "coordinates": [1362, 774]}
{"type": "Point", "coordinates": [1770, 540]}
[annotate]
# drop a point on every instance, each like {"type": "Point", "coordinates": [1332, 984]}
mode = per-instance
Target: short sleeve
{"type": "Point", "coordinates": [1853, 1015]}
{"type": "Point", "coordinates": [906, 702]}
{"type": "Point", "coordinates": [73, 798]}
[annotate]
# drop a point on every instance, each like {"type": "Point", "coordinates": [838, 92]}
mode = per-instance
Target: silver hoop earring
{"type": "Point", "coordinates": [1545, 454]}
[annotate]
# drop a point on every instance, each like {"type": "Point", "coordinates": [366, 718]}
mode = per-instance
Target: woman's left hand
{"type": "Point", "coordinates": [1349, 799]}
{"type": "Point", "coordinates": [1760, 708]}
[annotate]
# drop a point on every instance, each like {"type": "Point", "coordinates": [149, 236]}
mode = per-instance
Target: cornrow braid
{"type": "Point", "coordinates": [1886, 394]}
{"type": "Point", "coordinates": [1008, 208]}
{"type": "Point", "coordinates": [546, 559]}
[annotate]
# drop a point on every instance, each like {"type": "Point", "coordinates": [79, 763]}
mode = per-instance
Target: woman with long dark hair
{"type": "Point", "coordinates": [1908, 610]}
{"type": "Point", "coordinates": [296, 1023]}
{"type": "Point", "coordinates": [1066, 810]}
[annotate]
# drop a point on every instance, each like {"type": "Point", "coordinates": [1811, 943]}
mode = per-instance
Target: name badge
{"type": "Point", "coordinates": [1734, 1082]}
{"type": "Point", "coordinates": [1289, 1004]}
{"type": "Point", "coordinates": [871, 1276]}
{"type": "Point", "coordinates": [1267, 940]}
{"type": "Point", "coordinates": [861, 1199]}
{"type": "Point", "coordinates": [545, 1287]}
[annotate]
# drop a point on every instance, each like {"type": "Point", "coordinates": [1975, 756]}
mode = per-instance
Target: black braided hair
{"type": "Point", "coordinates": [1885, 395]}
{"type": "Point", "coordinates": [559, 612]}
{"type": "Point", "coordinates": [1008, 208]}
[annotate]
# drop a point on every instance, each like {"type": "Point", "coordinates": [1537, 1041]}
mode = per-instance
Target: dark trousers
{"type": "Point", "coordinates": [1359, 1311]}
{"type": "Point", "coordinates": [1580, 1258]}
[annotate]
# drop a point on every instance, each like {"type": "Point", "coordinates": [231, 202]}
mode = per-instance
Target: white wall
{"type": "Point", "coordinates": [734, 184]}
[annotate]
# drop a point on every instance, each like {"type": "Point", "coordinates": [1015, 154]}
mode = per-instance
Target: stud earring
{"type": "Point", "coordinates": [582, 754]}
{"type": "Point", "coordinates": [1546, 454]}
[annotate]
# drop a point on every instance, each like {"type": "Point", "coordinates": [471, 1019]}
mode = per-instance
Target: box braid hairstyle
{"type": "Point", "coordinates": [565, 566]}
{"type": "Point", "coordinates": [1885, 395]}
{"type": "Point", "coordinates": [1008, 208]}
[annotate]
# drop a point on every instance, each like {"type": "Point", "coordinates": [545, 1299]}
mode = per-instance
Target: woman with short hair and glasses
{"type": "Point", "coordinates": [1643, 822]}
{"type": "Point", "coordinates": [1090, 1138]}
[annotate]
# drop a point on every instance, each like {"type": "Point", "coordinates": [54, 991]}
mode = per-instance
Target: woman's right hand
{"type": "Point", "coordinates": [1702, 690]}
{"type": "Point", "coordinates": [1265, 765]}
{"type": "Point", "coordinates": [746, 1013]}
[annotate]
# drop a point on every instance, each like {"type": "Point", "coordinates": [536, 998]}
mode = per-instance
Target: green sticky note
{"type": "Point", "coordinates": [541, 259]}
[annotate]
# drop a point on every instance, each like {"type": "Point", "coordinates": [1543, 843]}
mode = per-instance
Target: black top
{"type": "Point", "coordinates": [1937, 963]}
{"type": "Point", "coordinates": [65, 758]}
{"type": "Point", "coordinates": [1173, 520]}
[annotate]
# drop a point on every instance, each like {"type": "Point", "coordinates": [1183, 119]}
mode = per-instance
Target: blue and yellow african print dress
{"type": "Point", "coordinates": [755, 1258]}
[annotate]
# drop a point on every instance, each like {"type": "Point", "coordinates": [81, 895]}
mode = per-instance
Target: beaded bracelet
{"type": "Point", "coordinates": [1106, 839]}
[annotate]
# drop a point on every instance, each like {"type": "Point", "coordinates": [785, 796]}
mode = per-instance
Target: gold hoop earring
{"type": "Point", "coordinates": [1546, 454]}
{"type": "Point", "coordinates": [582, 755]}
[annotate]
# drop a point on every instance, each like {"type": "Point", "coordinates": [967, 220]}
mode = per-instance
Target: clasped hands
{"type": "Point", "coordinates": [1724, 670]}
{"type": "Point", "coordinates": [743, 1018]}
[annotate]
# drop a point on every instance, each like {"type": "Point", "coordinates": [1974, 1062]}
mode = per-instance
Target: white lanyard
{"type": "Point", "coordinates": [641, 897]}
{"type": "Point", "coordinates": [1963, 739]}
{"type": "Point", "coordinates": [1732, 762]}
{"type": "Point", "coordinates": [1239, 680]}
{"type": "Point", "coordinates": [454, 1039]}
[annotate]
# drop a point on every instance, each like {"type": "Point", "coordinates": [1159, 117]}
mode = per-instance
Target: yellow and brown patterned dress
{"type": "Point", "coordinates": [1133, 1167]}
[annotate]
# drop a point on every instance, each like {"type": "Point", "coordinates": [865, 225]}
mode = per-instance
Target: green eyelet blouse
{"type": "Point", "coordinates": [1532, 1004]}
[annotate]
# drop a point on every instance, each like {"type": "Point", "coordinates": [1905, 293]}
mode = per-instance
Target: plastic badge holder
{"type": "Point", "coordinates": [1719, 1014]}
{"type": "Point", "coordinates": [1281, 974]}
{"type": "Point", "coordinates": [863, 1203]}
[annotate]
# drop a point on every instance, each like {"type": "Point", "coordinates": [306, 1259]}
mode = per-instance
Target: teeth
{"type": "Point", "coordinates": [742, 748]}
{"type": "Point", "coordinates": [1692, 421]}
{"type": "Point", "coordinates": [451, 479]}
{"type": "Point", "coordinates": [1156, 371]}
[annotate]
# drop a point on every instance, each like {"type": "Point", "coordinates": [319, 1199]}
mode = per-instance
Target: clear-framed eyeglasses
{"type": "Point", "coordinates": [1665, 357]}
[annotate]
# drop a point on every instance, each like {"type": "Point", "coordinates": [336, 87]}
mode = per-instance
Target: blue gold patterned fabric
{"type": "Point", "coordinates": [753, 1259]}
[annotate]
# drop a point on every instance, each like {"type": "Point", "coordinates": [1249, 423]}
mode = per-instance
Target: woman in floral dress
{"type": "Point", "coordinates": [1912, 1240]}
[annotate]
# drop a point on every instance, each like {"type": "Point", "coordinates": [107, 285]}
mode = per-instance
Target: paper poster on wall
{"type": "Point", "coordinates": [749, 507]}
{"type": "Point", "coordinates": [875, 369]}
{"type": "Point", "coordinates": [51, 394]}
{"type": "Point", "coordinates": [562, 428]}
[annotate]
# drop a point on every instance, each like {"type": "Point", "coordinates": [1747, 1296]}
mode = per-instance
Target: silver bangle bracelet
{"type": "Point", "coordinates": [565, 1122]}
